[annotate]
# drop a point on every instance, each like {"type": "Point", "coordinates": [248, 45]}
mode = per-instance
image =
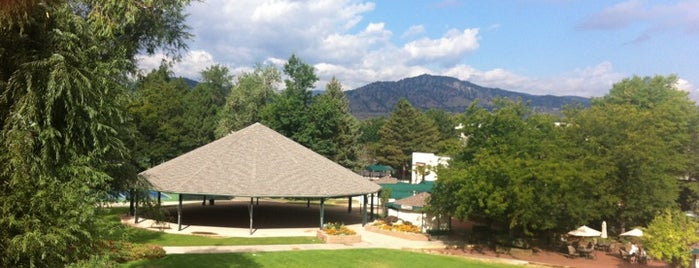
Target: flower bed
{"type": "Point", "coordinates": [338, 233]}
{"type": "Point", "coordinates": [339, 239]}
{"type": "Point", "coordinates": [403, 231]}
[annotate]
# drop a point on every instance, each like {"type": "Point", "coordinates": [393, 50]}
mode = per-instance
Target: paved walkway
{"type": "Point", "coordinates": [369, 239]}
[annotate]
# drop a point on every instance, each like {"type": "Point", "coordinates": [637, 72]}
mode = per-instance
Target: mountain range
{"type": "Point", "coordinates": [446, 93]}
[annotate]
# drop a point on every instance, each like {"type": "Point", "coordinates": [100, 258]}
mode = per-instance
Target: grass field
{"type": "Point", "coordinates": [375, 258]}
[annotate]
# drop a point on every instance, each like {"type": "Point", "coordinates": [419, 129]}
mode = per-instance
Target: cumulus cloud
{"type": "Point", "coordinates": [591, 81]}
{"type": "Point", "coordinates": [685, 85]}
{"type": "Point", "coordinates": [449, 49]}
{"type": "Point", "coordinates": [189, 66]}
{"type": "Point", "coordinates": [414, 30]}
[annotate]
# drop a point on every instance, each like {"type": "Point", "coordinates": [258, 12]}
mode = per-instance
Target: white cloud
{"type": "Point", "coordinates": [414, 30]}
{"type": "Point", "coordinates": [449, 49]}
{"type": "Point", "coordinates": [189, 66]}
{"type": "Point", "coordinates": [593, 81]}
{"type": "Point", "coordinates": [685, 85]}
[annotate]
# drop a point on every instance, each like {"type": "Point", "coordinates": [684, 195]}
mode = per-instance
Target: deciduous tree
{"type": "Point", "coordinates": [670, 237]}
{"type": "Point", "coordinates": [642, 131]}
{"type": "Point", "coordinates": [244, 105]}
{"type": "Point", "coordinates": [289, 113]}
{"type": "Point", "coordinates": [64, 69]}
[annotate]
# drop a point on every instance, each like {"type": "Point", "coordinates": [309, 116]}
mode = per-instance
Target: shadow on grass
{"type": "Point", "coordinates": [199, 260]}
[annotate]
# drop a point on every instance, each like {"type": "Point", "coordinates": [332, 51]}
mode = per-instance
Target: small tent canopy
{"type": "Point", "coordinates": [379, 168]}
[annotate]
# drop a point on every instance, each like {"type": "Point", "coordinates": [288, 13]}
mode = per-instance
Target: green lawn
{"type": "Point", "coordinates": [375, 258]}
{"type": "Point", "coordinates": [166, 239]}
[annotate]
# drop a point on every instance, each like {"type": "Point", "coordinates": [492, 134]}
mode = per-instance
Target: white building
{"type": "Point", "coordinates": [424, 166]}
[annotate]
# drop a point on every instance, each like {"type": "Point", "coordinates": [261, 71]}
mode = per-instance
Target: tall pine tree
{"type": "Point", "coordinates": [406, 130]}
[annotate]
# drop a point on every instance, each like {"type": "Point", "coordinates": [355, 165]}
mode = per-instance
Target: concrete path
{"type": "Point", "coordinates": [369, 239]}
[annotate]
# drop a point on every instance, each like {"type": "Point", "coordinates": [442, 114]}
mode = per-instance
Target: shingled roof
{"type": "Point", "coordinates": [418, 200]}
{"type": "Point", "coordinates": [256, 162]}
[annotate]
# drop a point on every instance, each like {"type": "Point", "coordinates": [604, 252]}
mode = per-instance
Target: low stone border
{"type": "Point", "coordinates": [339, 239]}
{"type": "Point", "coordinates": [403, 235]}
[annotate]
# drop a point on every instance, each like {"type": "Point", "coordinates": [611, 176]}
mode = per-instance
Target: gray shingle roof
{"type": "Point", "coordinates": [418, 200]}
{"type": "Point", "coordinates": [256, 162]}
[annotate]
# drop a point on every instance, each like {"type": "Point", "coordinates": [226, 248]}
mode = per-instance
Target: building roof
{"type": "Point", "coordinates": [417, 200]}
{"type": "Point", "coordinates": [414, 202]}
{"type": "Point", "coordinates": [256, 162]}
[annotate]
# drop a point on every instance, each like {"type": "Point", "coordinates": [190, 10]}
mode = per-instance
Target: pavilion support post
{"type": "Point", "coordinates": [160, 194]}
{"type": "Point", "coordinates": [250, 211]}
{"type": "Point", "coordinates": [203, 201]}
{"type": "Point", "coordinates": [371, 214]}
{"type": "Point", "coordinates": [257, 201]}
{"type": "Point", "coordinates": [322, 212]}
{"type": "Point", "coordinates": [364, 212]}
{"type": "Point", "coordinates": [135, 207]}
{"type": "Point", "coordinates": [179, 212]}
{"type": "Point", "coordinates": [131, 206]}
{"type": "Point", "coordinates": [308, 203]}
{"type": "Point", "coordinates": [349, 205]}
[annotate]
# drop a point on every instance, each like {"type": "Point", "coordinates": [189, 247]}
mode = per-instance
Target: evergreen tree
{"type": "Point", "coordinates": [203, 104]}
{"type": "Point", "coordinates": [406, 130]}
{"type": "Point", "coordinates": [334, 130]}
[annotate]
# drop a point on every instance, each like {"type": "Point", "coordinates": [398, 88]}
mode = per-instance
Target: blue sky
{"type": "Point", "coordinates": [557, 47]}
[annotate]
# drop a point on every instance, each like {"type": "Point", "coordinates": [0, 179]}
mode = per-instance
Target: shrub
{"type": "Point", "coordinates": [97, 261]}
{"type": "Point", "coordinates": [122, 252]}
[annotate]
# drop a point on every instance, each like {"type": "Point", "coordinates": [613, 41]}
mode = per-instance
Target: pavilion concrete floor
{"type": "Point", "coordinates": [267, 214]}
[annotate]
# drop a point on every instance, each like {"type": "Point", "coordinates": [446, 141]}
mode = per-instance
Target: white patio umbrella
{"type": "Point", "coordinates": [584, 231]}
{"type": "Point", "coordinates": [634, 232]}
{"type": "Point", "coordinates": [604, 229]}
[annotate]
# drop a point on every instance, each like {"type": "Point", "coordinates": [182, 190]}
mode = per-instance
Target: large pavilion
{"type": "Point", "coordinates": [257, 162]}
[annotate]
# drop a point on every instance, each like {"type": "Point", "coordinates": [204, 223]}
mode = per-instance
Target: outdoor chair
{"type": "Point", "coordinates": [572, 253]}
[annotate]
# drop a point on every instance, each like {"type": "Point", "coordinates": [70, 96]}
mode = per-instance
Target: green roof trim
{"type": "Point", "coordinates": [403, 190]}
{"type": "Point", "coordinates": [399, 207]}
